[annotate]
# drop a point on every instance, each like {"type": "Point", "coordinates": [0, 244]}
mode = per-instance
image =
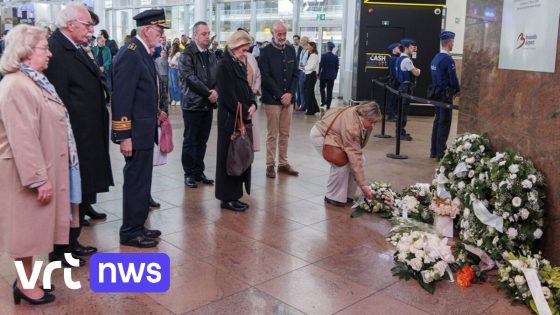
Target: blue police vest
{"type": "Point", "coordinates": [403, 76]}
{"type": "Point", "coordinates": [443, 71]}
{"type": "Point", "coordinates": [392, 65]}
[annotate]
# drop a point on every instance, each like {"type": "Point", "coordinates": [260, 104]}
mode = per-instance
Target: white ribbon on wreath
{"type": "Point", "coordinates": [534, 286]}
{"type": "Point", "coordinates": [486, 217]}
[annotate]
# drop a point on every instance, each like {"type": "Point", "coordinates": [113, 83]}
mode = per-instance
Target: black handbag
{"type": "Point", "coordinates": [240, 152]}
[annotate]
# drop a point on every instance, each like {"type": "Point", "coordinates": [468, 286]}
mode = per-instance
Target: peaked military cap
{"type": "Point", "coordinates": [392, 46]}
{"type": "Point", "coordinates": [447, 35]}
{"type": "Point", "coordinates": [408, 42]}
{"type": "Point", "coordinates": [154, 17]}
{"type": "Point", "coordinates": [330, 45]}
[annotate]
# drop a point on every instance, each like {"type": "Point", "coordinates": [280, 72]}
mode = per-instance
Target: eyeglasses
{"type": "Point", "coordinates": [86, 23]}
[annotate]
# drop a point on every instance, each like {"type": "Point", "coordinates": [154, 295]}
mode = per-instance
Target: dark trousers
{"type": "Point", "coordinates": [87, 200]}
{"type": "Point", "coordinates": [440, 130]}
{"type": "Point", "coordinates": [392, 105]}
{"type": "Point", "coordinates": [326, 98]}
{"type": "Point", "coordinates": [195, 136]}
{"type": "Point", "coordinates": [301, 89]}
{"type": "Point", "coordinates": [405, 88]}
{"type": "Point", "coordinates": [136, 192]}
{"type": "Point", "coordinates": [309, 89]}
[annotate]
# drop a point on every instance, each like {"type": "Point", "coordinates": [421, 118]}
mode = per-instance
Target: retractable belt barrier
{"type": "Point", "coordinates": [387, 90]}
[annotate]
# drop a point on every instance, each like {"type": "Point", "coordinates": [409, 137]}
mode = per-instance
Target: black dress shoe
{"type": "Point", "coordinates": [205, 180]}
{"type": "Point", "coordinates": [140, 241]}
{"type": "Point", "coordinates": [334, 202]}
{"type": "Point", "coordinates": [85, 222]}
{"type": "Point", "coordinates": [152, 233]}
{"type": "Point", "coordinates": [153, 203]}
{"type": "Point", "coordinates": [233, 206]}
{"type": "Point", "coordinates": [243, 203]}
{"type": "Point", "coordinates": [18, 296]}
{"type": "Point", "coordinates": [60, 257]}
{"type": "Point", "coordinates": [81, 250]}
{"type": "Point", "coordinates": [94, 215]}
{"type": "Point", "coordinates": [190, 182]}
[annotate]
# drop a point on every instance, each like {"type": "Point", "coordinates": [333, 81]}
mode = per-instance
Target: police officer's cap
{"type": "Point", "coordinates": [330, 45]}
{"type": "Point", "coordinates": [408, 42]}
{"type": "Point", "coordinates": [447, 35]}
{"type": "Point", "coordinates": [154, 17]}
{"type": "Point", "coordinates": [392, 46]}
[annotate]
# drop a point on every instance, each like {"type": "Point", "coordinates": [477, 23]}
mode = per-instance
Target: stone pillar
{"type": "Point", "coordinates": [200, 10]}
{"type": "Point", "coordinates": [516, 109]}
{"type": "Point", "coordinates": [99, 9]}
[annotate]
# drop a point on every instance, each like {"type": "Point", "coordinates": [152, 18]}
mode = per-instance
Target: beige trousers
{"type": "Point", "coordinates": [279, 120]}
{"type": "Point", "coordinates": [341, 184]}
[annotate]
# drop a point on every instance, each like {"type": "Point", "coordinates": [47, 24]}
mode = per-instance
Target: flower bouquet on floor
{"type": "Point", "coordinates": [532, 281]}
{"type": "Point", "coordinates": [444, 211]}
{"type": "Point", "coordinates": [383, 202]}
{"type": "Point", "coordinates": [504, 210]}
{"type": "Point", "coordinates": [414, 203]}
{"type": "Point", "coordinates": [421, 255]}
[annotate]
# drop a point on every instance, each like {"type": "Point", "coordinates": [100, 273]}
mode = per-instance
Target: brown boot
{"type": "Point", "coordinates": [270, 173]}
{"type": "Point", "coordinates": [287, 169]}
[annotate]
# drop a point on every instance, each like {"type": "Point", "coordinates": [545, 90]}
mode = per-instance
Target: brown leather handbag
{"type": "Point", "coordinates": [332, 154]}
{"type": "Point", "coordinates": [240, 152]}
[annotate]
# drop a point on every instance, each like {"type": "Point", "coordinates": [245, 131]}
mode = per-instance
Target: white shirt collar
{"type": "Point", "coordinates": [200, 49]}
{"type": "Point", "coordinates": [143, 43]}
{"type": "Point", "coordinates": [444, 51]}
{"type": "Point", "coordinates": [75, 45]}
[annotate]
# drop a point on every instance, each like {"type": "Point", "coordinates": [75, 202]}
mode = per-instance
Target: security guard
{"type": "Point", "coordinates": [392, 82]}
{"type": "Point", "coordinates": [134, 125]}
{"type": "Point", "coordinates": [444, 86]}
{"type": "Point", "coordinates": [405, 75]}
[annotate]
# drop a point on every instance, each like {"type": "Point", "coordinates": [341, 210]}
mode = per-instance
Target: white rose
{"type": "Point", "coordinates": [481, 148]}
{"type": "Point", "coordinates": [524, 213]}
{"type": "Point", "coordinates": [494, 187]}
{"type": "Point", "coordinates": [514, 168]}
{"type": "Point", "coordinates": [495, 240]}
{"type": "Point", "coordinates": [479, 243]}
{"type": "Point", "coordinates": [459, 149]}
{"type": "Point", "coordinates": [502, 163]}
{"type": "Point", "coordinates": [466, 212]}
{"type": "Point", "coordinates": [427, 276]}
{"type": "Point", "coordinates": [482, 176]}
{"type": "Point", "coordinates": [537, 234]}
{"type": "Point", "coordinates": [512, 233]}
{"type": "Point", "coordinates": [532, 178]}
{"type": "Point", "coordinates": [470, 160]}
{"type": "Point", "coordinates": [467, 145]}
{"type": "Point", "coordinates": [519, 280]}
{"type": "Point", "coordinates": [546, 292]}
{"type": "Point", "coordinates": [440, 267]}
{"type": "Point", "coordinates": [513, 176]}
{"type": "Point", "coordinates": [416, 264]}
{"type": "Point", "coordinates": [461, 185]}
{"type": "Point", "coordinates": [471, 174]}
{"type": "Point", "coordinates": [516, 202]}
{"type": "Point", "coordinates": [505, 215]}
{"type": "Point", "coordinates": [442, 169]}
{"type": "Point", "coordinates": [473, 137]}
{"type": "Point", "coordinates": [527, 184]}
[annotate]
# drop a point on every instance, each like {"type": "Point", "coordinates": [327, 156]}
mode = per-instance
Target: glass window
{"type": "Point", "coordinates": [268, 12]}
{"type": "Point", "coordinates": [321, 10]}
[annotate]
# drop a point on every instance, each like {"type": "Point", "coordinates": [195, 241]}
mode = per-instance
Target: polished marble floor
{"type": "Point", "coordinates": [290, 253]}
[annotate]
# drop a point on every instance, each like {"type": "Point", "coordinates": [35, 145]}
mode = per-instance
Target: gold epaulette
{"type": "Point", "coordinates": [121, 125]}
{"type": "Point", "coordinates": [132, 46]}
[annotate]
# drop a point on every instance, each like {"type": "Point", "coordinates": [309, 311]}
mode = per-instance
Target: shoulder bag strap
{"type": "Point", "coordinates": [332, 122]}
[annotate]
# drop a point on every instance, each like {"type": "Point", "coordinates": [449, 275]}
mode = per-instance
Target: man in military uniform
{"type": "Point", "coordinates": [134, 126]}
{"type": "Point", "coordinates": [445, 86]}
{"type": "Point", "coordinates": [406, 71]}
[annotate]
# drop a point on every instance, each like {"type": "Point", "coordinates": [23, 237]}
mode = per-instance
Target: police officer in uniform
{"type": "Point", "coordinates": [392, 82]}
{"type": "Point", "coordinates": [405, 76]}
{"type": "Point", "coordinates": [134, 125]}
{"type": "Point", "coordinates": [445, 86]}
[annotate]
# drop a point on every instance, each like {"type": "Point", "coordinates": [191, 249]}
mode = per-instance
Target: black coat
{"type": "Point", "coordinates": [196, 83]}
{"type": "Point", "coordinates": [279, 73]}
{"type": "Point", "coordinates": [232, 87]}
{"type": "Point", "coordinates": [135, 95]}
{"type": "Point", "coordinates": [78, 82]}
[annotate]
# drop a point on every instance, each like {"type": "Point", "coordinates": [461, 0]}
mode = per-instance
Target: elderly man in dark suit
{"type": "Point", "coordinates": [78, 82]}
{"type": "Point", "coordinates": [328, 69]}
{"type": "Point", "coordinates": [134, 125]}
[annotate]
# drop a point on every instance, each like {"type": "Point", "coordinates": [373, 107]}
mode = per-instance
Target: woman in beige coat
{"type": "Point", "coordinates": [351, 127]}
{"type": "Point", "coordinates": [35, 149]}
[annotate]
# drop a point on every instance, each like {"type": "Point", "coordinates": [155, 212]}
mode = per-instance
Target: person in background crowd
{"type": "Point", "coordinates": [36, 142]}
{"type": "Point", "coordinates": [446, 86]}
{"type": "Point", "coordinates": [132, 33]}
{"type": "Point", "coordinates": [80, 87]}
{"type": "Point", "coordinates": [49, 32]}
{"type": "Point", "coordinates": [127, 39]}
{"type": "Point", "coordinates": [311, 69]}
{"type": "Point", "coordinates": [2, 41]}
{"type": "Point", "coordinates": [393, 82]}
{"type": "Point", "coordinates": [111, 43]}
{"type": "Point", "coordinates": [234, 89]}
{"type": "Point", "coordinates": [184, 42]}
{"type": "Point", "coordinates": [328, 70]}
{"type": "Point", "coordinates": [256, 50]}
{"type": "Point", "coordinates": [134, 126]}
{"type": "Point", "coordinates": [302, 61]}
{"type": "Point", "coordinates": [348, 128]}
{"type": "Point", "coordinates": [279, 73]}
{"type": "Point", "coordinates": [217, 51]}
{"type": "Point", "coordinates": [174, 84]}
{"type": "Point", "coordinates": [197, 68]}
{"type": "Point", "coordinates": [162, 68]}
{"type": "Point", "coordinates": [406, 71]}
{"type": "Point", "coordinates": [103, 59]}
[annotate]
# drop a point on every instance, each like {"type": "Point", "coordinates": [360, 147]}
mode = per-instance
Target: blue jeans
{"type": "Point", "coordinates": [197, 130]}
{"type": "Point", "coordinates": [174, 84]}
{"type": "Point", "coordinates": [300, 90]}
